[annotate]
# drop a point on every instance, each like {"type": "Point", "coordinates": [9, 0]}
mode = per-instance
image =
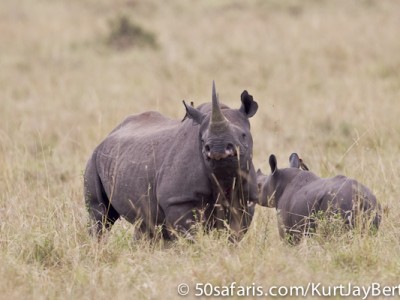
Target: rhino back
{"type": "Point", "coordinates": [337, 193]}
{"type": "Point", "coordinates": [346, 193]}
{"type": "Point", "coordinates": [318, 194]}
{"type": "Point", "coordinates": [149, 161]}
{"type": "Point", "coordinates": [127, 160]}
{"type": "Point", "coordinates": [297, 201]}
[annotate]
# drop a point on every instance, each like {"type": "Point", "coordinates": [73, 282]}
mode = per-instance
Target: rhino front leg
{"type": "Point", "coordinates": [181, 220]}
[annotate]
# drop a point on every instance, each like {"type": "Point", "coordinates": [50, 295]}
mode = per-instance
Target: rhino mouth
{"type": "Point", "coordinates": [219, 153]}
{"type": "Point", "coordinates": [228, 153]}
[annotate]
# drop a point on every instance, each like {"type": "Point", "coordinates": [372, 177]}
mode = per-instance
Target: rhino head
{"type": "Point", "coordinates": [272, 186]}
{"type": "Point", "coordinates": [225, 133]}
{"type": "Point", "coordinates": [226, 146]}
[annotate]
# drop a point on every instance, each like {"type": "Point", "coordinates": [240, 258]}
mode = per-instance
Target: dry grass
{"type": "Point", "coordinates": [326, 75]}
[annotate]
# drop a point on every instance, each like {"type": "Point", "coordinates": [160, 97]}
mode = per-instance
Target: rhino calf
{"type": "Point", "coordinates": [170, 174]}
{"type": "Point", "coordinates": [298, 194]}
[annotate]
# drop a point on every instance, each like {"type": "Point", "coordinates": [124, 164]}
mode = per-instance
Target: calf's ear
{"type": "Point", "coordinates": [249, 106]}
{"type": "Point", "coordinates": [273, 164]}
{"type": "Point", "coordinates": [294, 161]}
{"type": "Point", "coordinates": [194, 114]}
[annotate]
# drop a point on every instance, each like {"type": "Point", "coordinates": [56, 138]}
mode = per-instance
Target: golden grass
{"type": "Point", "coordinates": [326, 75]}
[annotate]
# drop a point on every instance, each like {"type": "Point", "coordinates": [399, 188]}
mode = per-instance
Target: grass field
{"type": "Point", "coordinates": [326, 75]}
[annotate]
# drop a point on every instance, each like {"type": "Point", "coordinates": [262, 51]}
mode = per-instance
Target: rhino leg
{"type": "Point", "coordinates": [181, 220]}
{"type": "Point", "coordinates": [102, 214]}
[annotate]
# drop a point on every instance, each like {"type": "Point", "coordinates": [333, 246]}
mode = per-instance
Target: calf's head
{"type": "Point", "coordinates": [272, 186]}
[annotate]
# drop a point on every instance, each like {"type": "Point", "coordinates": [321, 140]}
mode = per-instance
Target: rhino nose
{"type": "Point", "coordinates": [230, 150]}
{"type": "Point", "coordinates": [217, 153]}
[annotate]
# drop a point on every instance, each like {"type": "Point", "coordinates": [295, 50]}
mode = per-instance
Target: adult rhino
{"type": "Point", "coordinates": [171, 174]}
{"type": "Point", "coordinates": [298, 195]}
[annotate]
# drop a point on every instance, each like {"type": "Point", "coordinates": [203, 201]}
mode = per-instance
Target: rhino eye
{"type": "Point", "coordinates": [243, 137]}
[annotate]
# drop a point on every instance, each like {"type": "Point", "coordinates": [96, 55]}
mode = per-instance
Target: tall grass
{"type": "Point", "coordinates": [327, 80]}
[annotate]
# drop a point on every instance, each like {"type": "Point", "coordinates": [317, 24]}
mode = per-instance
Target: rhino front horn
{"type": "Point", "coordinates": [216, 113]}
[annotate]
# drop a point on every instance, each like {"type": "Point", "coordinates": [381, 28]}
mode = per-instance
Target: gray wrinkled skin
{"type": "Point", "coordinates": [298, 194]}
{"type": "Point", "coordinates": [168, 173]}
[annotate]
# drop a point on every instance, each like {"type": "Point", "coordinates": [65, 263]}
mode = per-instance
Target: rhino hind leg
{"type": "Point", "coordinates": [102, 214]}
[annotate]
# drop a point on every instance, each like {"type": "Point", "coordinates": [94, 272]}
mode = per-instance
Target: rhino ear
{"type": "Point", "coordinates": [273, 164]}
{"type": "Point", "coordinates": [249, 106]}
{"type": "Point", "coordinates": [294, 161]}
{"type": "Point", "coordinates": [259, 172]}
{"type": "Point", "coordinates": [194, 114]}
